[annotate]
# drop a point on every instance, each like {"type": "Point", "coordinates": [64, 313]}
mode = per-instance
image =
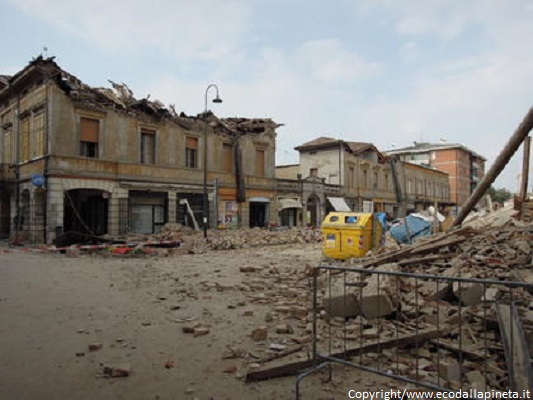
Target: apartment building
{"type": "Point", "coordinates": [337, 174]}
{"type": "Point", "coordinates": [100, 161]}
{"type": "Point", "coordinates": [464, 166]}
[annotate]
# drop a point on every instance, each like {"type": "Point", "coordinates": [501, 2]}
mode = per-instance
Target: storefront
{"type": "Point", "coordinates": [147, 211]}
{"type": "Point", "coordinates": [289, 211]}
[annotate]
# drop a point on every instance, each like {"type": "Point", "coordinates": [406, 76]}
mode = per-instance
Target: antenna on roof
{"type": "Point", "coordinates": [45, 52]}
{"type": "Point", "coordinates": [442, 140]}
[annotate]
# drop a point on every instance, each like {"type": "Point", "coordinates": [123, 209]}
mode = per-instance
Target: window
{"type": "Point", "coordinates": [386, 182]}
{"type": "Point", "coordinates": [351, 177]}
{"type": "Point", "coordinates": [227, 157]}
{"type": "Point", "coordinates": [313, 172]}
{"type": "Point", "coordinates": [410, 186]}
{"type": "Point", "coordinates": [260, 162]}
{"type": "Point", "coordinates": [89, 135]}
{"type": "Point", "coordinates": [365, 178]}
{"type": "Point", "coordinates": [147, 146]}
{"type": "Point", "coordinates": [37, 142]}
{"type": "Point", "coordinates": [24, 151]}
{"type": "Point", "coordinates": [191, 152]}
{"type": "Point", "coordinates": [376, 180]}
{"type": "Point", "coordinates": [7, 154]}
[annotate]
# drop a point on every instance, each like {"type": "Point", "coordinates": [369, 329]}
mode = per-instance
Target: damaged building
{"type": "Point", "coordinates": [99, 161]}
{"type": "Point", "coordinates": [341, 175]}
{"type": "Point", "coordinates": [465, 167]}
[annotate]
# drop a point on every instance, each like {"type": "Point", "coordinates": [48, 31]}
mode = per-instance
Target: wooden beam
{"type": "Point", "coordinates": [435, 243]}
{"type": "Point", "coordinates": [499, 164]}
{"type": "Point", "coordinates": [295, 367]}
{"type": "Point", "coordinates": [280, 354]}
{"type": "Point", "coordinates": [466, 353]}
{"type": "Point", "coordinates": [426, 259]}
{"type": "Point", "coordinates": [525, 169]}
{"type": "Point", "coordinates": [516, 350]}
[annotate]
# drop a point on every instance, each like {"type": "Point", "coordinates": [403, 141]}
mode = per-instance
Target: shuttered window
{"type": "Point", "coordinates": [192, 143]}
{"type": "Point", "coordinates": [25, 140]}
{"type": "Point", "coordinates": [191, 152]}
{"type": "Point", "coordinates": [227, 157]}
{"type": "Point", "coordinates": [260, 162]}
{"type": "Point", "coordinates": [351, 176]}
{"type": "Point", "coordinates": [7, 155]}
{"type": "Point", "coordinates": [89, 136]}
{"type": "Point", "coordinates": [37, 145]}
{"type": "Point", "coordinates": [89, 130]}
{"type": "Point", "coordinates": [147, 146]}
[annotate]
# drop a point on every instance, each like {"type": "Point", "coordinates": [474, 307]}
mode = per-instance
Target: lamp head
{"type": "Point", "coordinates": [217, 100]}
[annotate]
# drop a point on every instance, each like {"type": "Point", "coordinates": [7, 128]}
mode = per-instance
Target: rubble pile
{"type": "Point", "coordinates": [449, 332]}
{"type": "Point", "coordinates": [194, 242]}
{"type": "Point", "coordinates": [174, 232]}
{"type": "Point", "coordinates": [245, 238]}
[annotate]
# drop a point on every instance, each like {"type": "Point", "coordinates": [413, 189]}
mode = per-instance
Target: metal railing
{"type": "Point", "coordinates": [427, 322]}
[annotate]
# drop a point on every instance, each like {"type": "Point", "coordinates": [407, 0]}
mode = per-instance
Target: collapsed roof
{"type": "Point", "coordinates": [121, 99]}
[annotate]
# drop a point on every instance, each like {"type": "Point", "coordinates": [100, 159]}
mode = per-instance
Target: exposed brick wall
{"type": "Point", "coordinates": [456, 162]}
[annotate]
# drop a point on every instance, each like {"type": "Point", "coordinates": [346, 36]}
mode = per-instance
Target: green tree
{"type": "Point", "coordinates": [499, 195]}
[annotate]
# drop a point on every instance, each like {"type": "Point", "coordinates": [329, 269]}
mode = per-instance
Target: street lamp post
{"type": "Point", "coordinates": [217, 99]}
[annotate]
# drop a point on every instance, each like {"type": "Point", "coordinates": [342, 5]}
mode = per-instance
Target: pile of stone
{"type": "Point", "coordinates": [246, 238]}
{"type": "Point", "coordinates": [194, 242]}
{"type": "Point", "coordinates": [451, 332]}
{"type": "Point", "coordinates": [174, 232]}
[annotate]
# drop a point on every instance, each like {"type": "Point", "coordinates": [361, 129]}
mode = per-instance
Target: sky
{"type": "Point", "coordinates": [388, 72]}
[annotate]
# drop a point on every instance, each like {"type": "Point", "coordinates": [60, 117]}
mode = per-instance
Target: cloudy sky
{"type": "Point", "coordinates": [383, 71]}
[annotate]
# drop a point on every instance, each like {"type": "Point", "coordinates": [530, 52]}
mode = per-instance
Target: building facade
{"type": "Point", "coordinates": [357, 176]}
{"type": "Point", "coordinates": [100, 161]}
{"type": "Point", "coordinates": [464, 166]}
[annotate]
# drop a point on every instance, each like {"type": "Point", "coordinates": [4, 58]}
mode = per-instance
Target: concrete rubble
{"type": "Point", "coordinates": [193, 242]}
{"type": "Point", "coordinates": [448, 332]}
{"type": "Point", "coordinates": [462, 347]}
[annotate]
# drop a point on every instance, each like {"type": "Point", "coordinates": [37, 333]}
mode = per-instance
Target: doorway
{"type": "Point", "coordinates": [86, 211]}
{"type": "Point", "coordinates": [258, 214]}
{"type": "Point", "coordinates": [313, 211]}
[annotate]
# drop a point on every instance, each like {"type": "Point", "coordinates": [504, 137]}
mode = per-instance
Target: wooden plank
{"type": "Point", "coordinates": [421, 260]}
{"type": "Point", "coordinates": [280, 354]}
{"type": "Point", "coordinates": [515, 346]}
{"type": "Point", "coordinates": [295, 367]}
{"type": "Point", "coordinates": [454, 348]}
{"type": "Point", "coordinates": [428, 246]}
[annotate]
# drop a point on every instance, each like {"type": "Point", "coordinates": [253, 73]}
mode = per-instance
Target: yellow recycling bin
{"type": "Point", "coordinates": [350, 234]}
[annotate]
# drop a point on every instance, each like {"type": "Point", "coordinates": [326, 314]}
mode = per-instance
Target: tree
{"type": "Point", "coordinates": [499, 195]}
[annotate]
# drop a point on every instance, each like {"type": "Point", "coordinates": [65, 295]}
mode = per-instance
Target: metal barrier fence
{"type": "Point", "coordinates": [442, 333]}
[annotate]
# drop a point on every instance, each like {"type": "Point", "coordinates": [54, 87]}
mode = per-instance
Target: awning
{"type": "Point", "coordinates": [289, 203]}
{"type": "Point", "coordinates": [339, 204]}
